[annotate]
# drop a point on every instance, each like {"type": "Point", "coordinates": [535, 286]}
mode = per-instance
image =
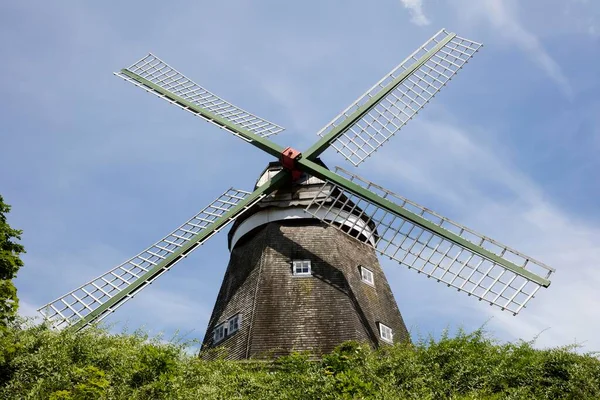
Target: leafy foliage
{"type": "Point", "coordinates": [9, 265]}
{"type": "Point", "coordinates": [37, 363]}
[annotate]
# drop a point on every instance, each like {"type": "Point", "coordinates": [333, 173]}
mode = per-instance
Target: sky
{"type": "Point", "coordinates": [96, 170]}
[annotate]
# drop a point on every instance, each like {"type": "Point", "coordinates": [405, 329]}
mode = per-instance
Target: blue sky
{"type": "Point", "coordinates": [97, 170]}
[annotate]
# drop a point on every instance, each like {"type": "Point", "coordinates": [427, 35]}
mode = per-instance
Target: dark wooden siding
{"type": "Point", "coordinates": [282, 313]}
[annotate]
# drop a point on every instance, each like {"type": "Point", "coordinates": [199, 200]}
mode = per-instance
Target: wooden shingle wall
{"type": "Point", "coordinates": [282, 313]}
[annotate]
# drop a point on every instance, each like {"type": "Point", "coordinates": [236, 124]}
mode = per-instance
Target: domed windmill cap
{"type": "Point", "coordinates": [289, 203]}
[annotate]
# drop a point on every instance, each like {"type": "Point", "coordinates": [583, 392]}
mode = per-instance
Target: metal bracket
{"type": "Point", "coordinates": [288, 161]}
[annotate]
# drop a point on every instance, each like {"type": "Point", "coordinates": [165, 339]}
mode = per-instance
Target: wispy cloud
{"type": "Point", "coordinates": [415, 7]}
{"type": "Point", "coordinates": [177, 311]}
{"type": "Point", "coordinates": [502, 16]}
{"type": "Point", "coordinates": [27, 309]}
{"type": "Point", "coordinates": [485, 192]}
{"type": "Point", "coordinates": [172, 303]}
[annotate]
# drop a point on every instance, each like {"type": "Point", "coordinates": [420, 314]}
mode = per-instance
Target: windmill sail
{"type": "Point", "coordinates": [411, 85]}
{"type": "Point", "coordinates": [99, 297]}
{"type": "Point", "coordinates": [482, 273]}
{"type": "Point", "coordinates": [151, 71]}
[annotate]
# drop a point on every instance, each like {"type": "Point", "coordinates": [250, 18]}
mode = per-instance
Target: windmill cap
{"type": "Point", "coordinates": [287, 205]}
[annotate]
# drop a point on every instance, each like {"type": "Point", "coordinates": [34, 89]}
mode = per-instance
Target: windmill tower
{"type": "Point", "coordinates": [294, 283]}
{"type": "Point", "coordinates": [303, 273]}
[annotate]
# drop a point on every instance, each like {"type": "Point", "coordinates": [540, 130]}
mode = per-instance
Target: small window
{"type": "Point", "coordinates": [367, 275]}
{"type": "Point", "coordinates": [301, 267]}
{"type": "Point", "coordinates": [386, 333]}
{"type": "Point", "coordinates": [220, 332]}
{"type": "Point", "coordinates": [227, 328]}
{"type": "Point", "coordinates": [234, 324]}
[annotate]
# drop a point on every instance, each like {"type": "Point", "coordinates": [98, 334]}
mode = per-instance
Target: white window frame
{"type": "Point", "coordinates": [385, 333]}
{"type": "Point", "coordinates": [299, 266]}
{"type": "Point", "coordinates": [227, 328]}
{"type": "Point", "coordinates": [220, 332]}
{"type": "Point", "coordinates": [234, 324]}
{"type": "Point", "coordinates": [366, 275]}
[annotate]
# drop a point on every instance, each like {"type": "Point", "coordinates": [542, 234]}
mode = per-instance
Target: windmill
{"type": "Point", "coordinates": [303, 271]}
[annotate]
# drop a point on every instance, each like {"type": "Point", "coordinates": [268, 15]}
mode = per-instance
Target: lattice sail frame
{"type": "Point", "coordinates": [429, 253]}
{"type": "Point", "coordinates": [156, 71]}
{"type": "Point", "coordinates": [393, 111]}
{"type": "Point", "coordinates": [77, 304]}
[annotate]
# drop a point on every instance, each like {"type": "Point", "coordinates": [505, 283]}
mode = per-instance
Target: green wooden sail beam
{"type": "Point", "coordinates": [182, 251]}
{"type": "Point", "coordinates": [256, 140]}
{"type": "Point", "coordinates": [315, 169]}
{"type": "Point", "coordinates": [319, 147]}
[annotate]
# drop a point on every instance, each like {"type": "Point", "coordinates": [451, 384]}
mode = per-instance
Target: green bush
{"type": "Point", "coordinates": [37, 363]}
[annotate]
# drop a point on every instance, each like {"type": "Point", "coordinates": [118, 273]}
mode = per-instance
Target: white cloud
{"type": "Point", "coordinates": [415, 7]}
{"type": "Point", "coordinates": [27, 309]}
{"type": "Point", "coordinates": [175, 309]}
{"type": "Point", "coordinates": [294, 102]}
{"type": "Point", "coordinates": [485, 192]}
{"type": "Point", "coordinates": [502, 16]}
{"type": "Point", "coordinates": [176, 301]}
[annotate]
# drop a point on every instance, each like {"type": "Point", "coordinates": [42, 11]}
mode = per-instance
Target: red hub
{"type": "Point", "coordinates": [288, 161]}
